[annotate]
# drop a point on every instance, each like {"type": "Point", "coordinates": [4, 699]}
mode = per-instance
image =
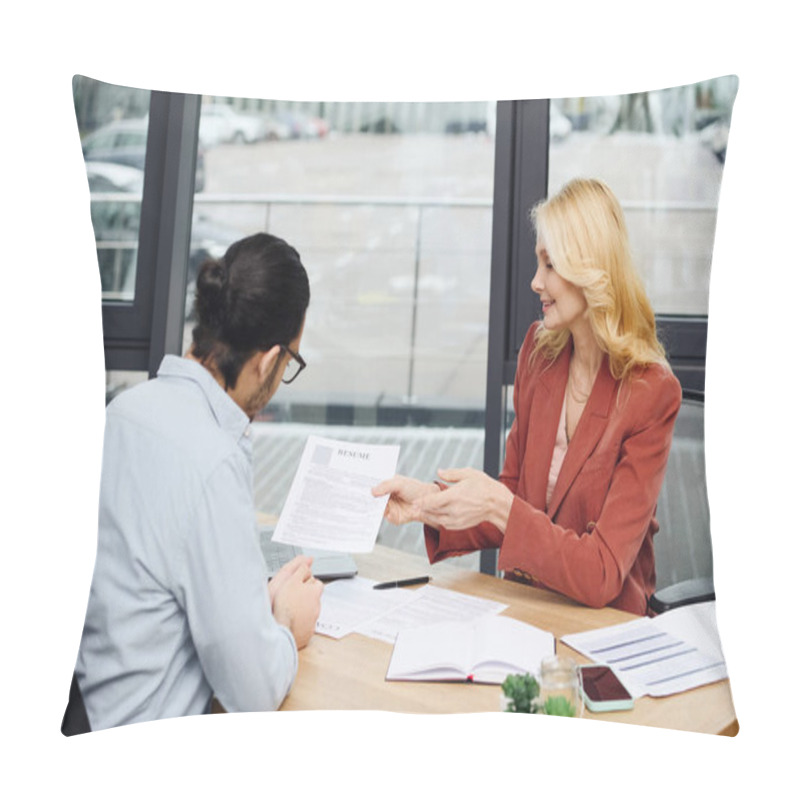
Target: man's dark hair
{"type": "Point", "coordinates": [251, 299]}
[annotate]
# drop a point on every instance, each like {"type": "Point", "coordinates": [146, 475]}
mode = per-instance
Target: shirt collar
{"type": "Point", "coordinates": [228, 414]}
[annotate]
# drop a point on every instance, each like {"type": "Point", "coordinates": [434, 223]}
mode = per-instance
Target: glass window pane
{"type": "Point", "coordinates": [112, 122]}
{"type": "Point", "coordinates": [119, 380]}
{"type": "Point", "coordinates": [662, 153]}
{"type": "Point", "coordinates": [390, 208]}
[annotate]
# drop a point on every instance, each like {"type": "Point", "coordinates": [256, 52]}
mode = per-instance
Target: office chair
{"type": "Point", "coordinates": [75, 718]}
{"type": "Point", "coordinates": [682, 546]}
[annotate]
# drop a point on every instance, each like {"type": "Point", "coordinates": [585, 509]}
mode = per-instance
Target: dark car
{"type": "Point", "coordinates": [459, 126]}
{"type": "Point", "coordinates": [381, 125]}
{"type": "Point", "coordinates": [125, 142]}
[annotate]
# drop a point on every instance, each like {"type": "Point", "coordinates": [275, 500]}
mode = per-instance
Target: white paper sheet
{"type": "Point", "coordinates": [348, 603]}
{"type": "Point", "coordinates": [430, 604]}
{"type": "Point", "coordinates": [671, 653]}
{"type": "Point", "coordinates": [330, 505]}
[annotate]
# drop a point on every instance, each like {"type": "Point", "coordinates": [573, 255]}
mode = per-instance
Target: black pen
{"type": "Point", "coordinates": [405, 582]}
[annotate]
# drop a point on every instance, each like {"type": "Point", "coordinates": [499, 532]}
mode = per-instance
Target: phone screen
{"type": "Point", "coordinates": [601, 684]}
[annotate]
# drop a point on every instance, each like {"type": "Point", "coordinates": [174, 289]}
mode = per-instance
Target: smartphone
{"type": "Point", "coordinates": [602, 689]}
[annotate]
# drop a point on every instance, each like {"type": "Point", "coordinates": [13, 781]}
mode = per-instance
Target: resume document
{"type": "Point", "coordinates": [330, 504]}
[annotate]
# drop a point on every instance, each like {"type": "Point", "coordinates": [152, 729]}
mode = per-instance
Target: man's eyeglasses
{"type": "Point", "coordinates": [295, 366]}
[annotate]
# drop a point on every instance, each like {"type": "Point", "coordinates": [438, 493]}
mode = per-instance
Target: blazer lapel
{"type": "Point", "coordinates": [545, 414]}
{"type": "Point", "coordinates": [590, 428]}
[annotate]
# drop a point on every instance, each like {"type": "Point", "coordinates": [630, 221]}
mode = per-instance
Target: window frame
{"type": "Point", "coordinates": [137, 334]}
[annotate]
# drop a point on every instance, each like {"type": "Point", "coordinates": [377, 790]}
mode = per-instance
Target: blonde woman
{"type": "Point", "coordinates": [595, 404]}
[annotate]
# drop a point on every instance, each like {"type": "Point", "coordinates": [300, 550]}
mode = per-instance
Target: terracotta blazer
{"type": "Point", "coordinates": [595, 541]}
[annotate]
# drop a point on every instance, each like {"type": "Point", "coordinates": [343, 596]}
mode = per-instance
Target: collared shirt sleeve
{"type": "Point", "coordinates": [249, 660]}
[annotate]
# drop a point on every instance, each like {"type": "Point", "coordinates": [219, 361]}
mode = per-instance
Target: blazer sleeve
{"type": "Point", "coordinates": [591, 561]}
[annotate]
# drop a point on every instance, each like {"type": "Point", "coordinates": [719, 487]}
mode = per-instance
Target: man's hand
{"type": "Point", "coordinates": [295, 595]}
{"type": "Point", "coordinates": [404, 493]}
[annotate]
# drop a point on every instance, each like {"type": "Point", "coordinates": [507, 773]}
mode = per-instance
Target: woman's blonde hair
{"type": "Point", "coordinates": [586, 239]}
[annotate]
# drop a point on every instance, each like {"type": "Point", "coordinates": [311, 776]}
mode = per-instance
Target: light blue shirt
{"type": "Point", "coordinates": [179, 606]}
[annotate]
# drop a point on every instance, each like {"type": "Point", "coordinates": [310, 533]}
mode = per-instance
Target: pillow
{"type": "Point", "coordinates": [398, 257]}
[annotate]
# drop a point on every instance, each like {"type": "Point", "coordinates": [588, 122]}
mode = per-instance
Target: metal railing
{"type": "Point", "coordinates": [421, 204]}
{"type": "Point", "coordinates": [118, 283]}
{"type": "Point", "coordinates": [115, 291]}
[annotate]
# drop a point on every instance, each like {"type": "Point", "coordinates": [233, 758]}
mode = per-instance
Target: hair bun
{"type": "Point", "coordinates": [212, 280]}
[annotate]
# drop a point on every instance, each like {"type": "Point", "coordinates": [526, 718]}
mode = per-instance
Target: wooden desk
{"type": "Point", "coordinates": [349, 673]}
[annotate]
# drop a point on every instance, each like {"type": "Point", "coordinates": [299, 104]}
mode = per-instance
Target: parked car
{"type": "Point", "coordinates": [220, 123]}
{"type": "Point", "coordinates": [116, 230]}
{"type": "Point", "coordinates": [303, 126]}
{"type": "Point", "coordinates": [105, 176]}
{"type": "Point", "coordinates": [277, 129]}
{"type": "Point", "coordinates": [459, 126]}
{"type": "Point", "coordinates": [380, 125]}
{"type": "Point", "coordinates": [715, 136]}
{"type": "Point", "coordinates": [125, 142]}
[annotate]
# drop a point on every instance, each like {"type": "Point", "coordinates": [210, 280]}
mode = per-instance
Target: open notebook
{"type": "Point", "coordinates": [483, 650]}
{"type": "Point", "coordinates": [327, 564]}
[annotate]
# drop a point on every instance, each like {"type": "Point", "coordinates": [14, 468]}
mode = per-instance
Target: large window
{"type": "Point", "coordinates": [112, 123]}
{"type": "Point", "coordinates": [413, 222]}
{"type": "Point", "coordinates": [143, 164]}
{"type": "Point", "coordinates": [390, 208]}
{"type": "Point", "coordinates": [663, 153]}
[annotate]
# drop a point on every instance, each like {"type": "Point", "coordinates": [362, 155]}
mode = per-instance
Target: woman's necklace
{"type": "Point", "coordinates": [580, 396]}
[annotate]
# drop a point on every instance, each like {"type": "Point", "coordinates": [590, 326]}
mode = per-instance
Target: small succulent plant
{"type": "Point", "coordinates": [521, 691]}
{"type": "Point", "coordinates": [522, 697]}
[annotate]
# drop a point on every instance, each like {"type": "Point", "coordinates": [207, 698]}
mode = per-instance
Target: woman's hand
{"type": "Point", "coordinates": [472, 497]}
{"type": "Point", "coordinates": [403, 494]}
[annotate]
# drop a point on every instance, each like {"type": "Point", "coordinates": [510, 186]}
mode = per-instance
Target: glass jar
{"type": "Point", "coordinates": [560, 689]}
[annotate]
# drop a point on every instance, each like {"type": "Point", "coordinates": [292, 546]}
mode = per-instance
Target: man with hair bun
{"type": "Point", "coordinates": [180, 609]}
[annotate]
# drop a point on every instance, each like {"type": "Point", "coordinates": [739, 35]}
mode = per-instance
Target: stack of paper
{"type": "Point", "coordinates": [354, 606]}
{"type": "Point", "coordinates": [673, 652]}
{"type": "Point", "coordinates": [427, 605]}
{"type": "Point", "coordinates": [348, 604]}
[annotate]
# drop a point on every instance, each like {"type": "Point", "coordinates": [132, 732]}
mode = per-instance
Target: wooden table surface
{"type": "Point", "coordinates": [349, 673]}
